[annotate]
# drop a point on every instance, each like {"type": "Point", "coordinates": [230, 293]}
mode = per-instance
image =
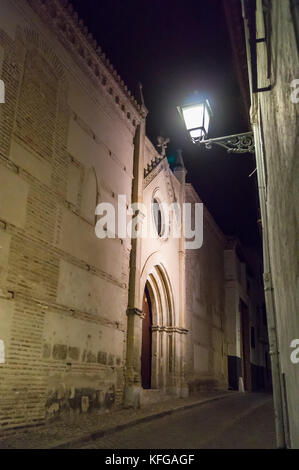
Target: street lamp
{"type": "Point", "coordinates": [197, 119]}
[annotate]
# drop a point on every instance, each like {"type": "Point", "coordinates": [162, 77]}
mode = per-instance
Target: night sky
{"type": "Point", "coordinates": [174, 47]}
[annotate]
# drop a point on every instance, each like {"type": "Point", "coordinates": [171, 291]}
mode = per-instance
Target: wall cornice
{"type": "Point", "coordinates": [154, 169]}
{"type": "Point", "coordinates": [65, 22]}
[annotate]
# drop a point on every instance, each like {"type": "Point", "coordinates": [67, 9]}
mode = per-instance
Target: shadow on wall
{"type": "Point", "coordinates": [205, 385]}
{"type": "Point", "coordinates": [78, 400]}
{"type": "Point", "coordinates": [68, 395]}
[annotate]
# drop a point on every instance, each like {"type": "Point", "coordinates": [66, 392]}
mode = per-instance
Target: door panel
{"type": "Point", "coordinates": [146, 351]}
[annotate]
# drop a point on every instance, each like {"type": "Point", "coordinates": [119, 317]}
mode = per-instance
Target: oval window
{"type": "Point", "coordinates": [157, 216]}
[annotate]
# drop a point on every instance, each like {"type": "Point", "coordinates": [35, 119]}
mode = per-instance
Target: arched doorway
{"type": "Point", "coordinates": [158, 346]}
{"type": "Point", "coordinates": [146, 349]}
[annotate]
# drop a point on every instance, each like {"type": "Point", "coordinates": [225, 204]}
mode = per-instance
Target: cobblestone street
{"type": "Point", "coordinates": [70, 429]}
{"type": "Point", "coordinates": [204, 421]}
{"type": "Point", "coordinates": [243, 421]}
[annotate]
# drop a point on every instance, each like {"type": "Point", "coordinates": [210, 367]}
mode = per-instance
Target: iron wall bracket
{"type": "Point", "coordinates": [236, 143]}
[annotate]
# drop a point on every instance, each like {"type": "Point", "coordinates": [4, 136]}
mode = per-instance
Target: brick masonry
{"type": "Point", "coordinates": [47, 371]}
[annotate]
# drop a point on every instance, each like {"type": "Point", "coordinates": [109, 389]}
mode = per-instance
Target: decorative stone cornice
{"type": "Point", "coordinates": [153, 164]}
{"type": "Point", "coordinates": [65, 21]}
{"type": "Point", "coordinates": [153, 169]}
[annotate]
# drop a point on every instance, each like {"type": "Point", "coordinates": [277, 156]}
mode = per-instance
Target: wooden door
{"type": "Point", "coordinates": [146, 351]}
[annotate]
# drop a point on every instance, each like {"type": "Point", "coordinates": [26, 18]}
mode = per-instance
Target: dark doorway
{"type": "Point", "coordinates": [245, 335]}
{"type": "Point", "coordinates": [146, 351]}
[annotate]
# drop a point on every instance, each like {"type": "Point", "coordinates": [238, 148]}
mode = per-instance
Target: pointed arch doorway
{"type": "Point", "coordinates": [146, 349]}
{"type": "Point", "coordinates": [160, 342]}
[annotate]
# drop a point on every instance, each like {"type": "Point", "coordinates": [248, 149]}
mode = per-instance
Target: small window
{"type": "Point", "coordinates": [157, 216]}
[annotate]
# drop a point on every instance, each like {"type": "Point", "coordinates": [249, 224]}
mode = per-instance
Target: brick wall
{"type": "Point", "coordinates": [63, 292]}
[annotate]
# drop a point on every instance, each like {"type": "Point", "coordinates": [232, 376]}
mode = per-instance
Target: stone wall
{"type": "Point", "coordinates": [206, 357]}
{"type": "Point", "coordinates": [243, 284]}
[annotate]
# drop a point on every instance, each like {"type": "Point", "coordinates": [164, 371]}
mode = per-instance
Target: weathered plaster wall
{"type": "Point", "coordinates": [279, 124]}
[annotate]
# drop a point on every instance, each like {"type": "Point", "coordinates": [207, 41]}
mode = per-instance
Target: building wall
{"type": "Point", "coordinates": [278, 121]}
{"type": "Point", "coordinates": [63, 291]}
{"type": "Point", "coordinates": [206, 356]}
{"type": "Point", "coordinates": [243, 285]}
{"type": "Point", "coordinates": [234, 293]}
{"type": "Point", "coordinates": [259, 342]}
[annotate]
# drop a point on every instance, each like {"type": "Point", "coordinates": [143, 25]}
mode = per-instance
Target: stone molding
{"type": "Point", "coordinates": [153, 172]}
{"type": "Point", "coordinates": [135, 311]}
{"type": "Point", "coordinates": [170, 329]}
{"type": "Point", "coordinates": [152, 166]}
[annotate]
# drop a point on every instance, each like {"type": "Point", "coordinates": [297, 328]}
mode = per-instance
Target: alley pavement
{"type": "Point", "coordinates": [211, 420]}
{"type": "Point", "coordinates": [242, 421]}
{"type": "Point", "coordinates": [70, 429]}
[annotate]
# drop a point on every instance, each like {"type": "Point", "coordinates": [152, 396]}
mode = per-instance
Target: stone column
{"type": "Point", "coordinates": [183, 338]}
{"type": "Point", "coordinates": [181, 331]}
{"type": "Point", "coordinates": [133, 359]}
{"type": "Point", "coordinates": [134, 310]}
{"type": "Point", "coordinates": [155, 356]}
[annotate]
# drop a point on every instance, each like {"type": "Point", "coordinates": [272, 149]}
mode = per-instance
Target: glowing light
{"type": "Point", "coordinates": [193, 116]}
{"type": "Point", "coordinates": [197, 119]}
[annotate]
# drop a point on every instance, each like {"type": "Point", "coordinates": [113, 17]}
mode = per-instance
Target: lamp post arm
{"type": "Point", "coordinates": [236, 143]}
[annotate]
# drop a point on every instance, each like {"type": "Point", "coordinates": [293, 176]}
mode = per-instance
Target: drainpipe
{"type": "Point", "coordinates": [269, 294]}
